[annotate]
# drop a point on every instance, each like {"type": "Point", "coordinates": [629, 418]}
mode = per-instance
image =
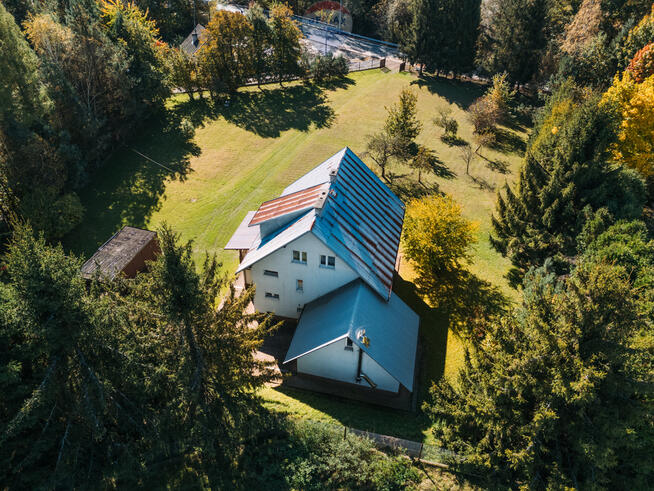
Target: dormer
{"type": "Point", "coordinates": [276, 213]}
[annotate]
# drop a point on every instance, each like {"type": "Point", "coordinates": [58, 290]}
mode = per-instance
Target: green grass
{"type": "Point", "coordinates": [248, 152]}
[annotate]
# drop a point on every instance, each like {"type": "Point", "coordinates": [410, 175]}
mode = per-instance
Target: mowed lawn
{"type": "Point", "coordinates": [248, 151]}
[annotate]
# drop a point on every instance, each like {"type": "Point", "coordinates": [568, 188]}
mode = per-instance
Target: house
{"type": "Point", "coordinates": [125, 253]}
{"type": "Point", "coordinates": [194, 40]}
{"type": "Point", "coordinates": [325, 253]}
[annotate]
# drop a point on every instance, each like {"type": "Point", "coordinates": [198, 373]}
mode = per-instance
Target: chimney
{"type": "Point", "coordinates": [332, 174]}
{"type": "Point", "coordinates": [194, 38]}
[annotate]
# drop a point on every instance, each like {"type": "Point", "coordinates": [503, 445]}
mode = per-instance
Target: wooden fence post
{"type": "Point", "coordinates": [420, 453]}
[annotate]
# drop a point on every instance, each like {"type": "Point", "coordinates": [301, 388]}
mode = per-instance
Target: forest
{"type": "Point", "coordinates": [151, 382]}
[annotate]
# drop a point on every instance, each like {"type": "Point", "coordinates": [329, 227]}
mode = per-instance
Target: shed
{"type": "Point", "coordinates": [126, 252]}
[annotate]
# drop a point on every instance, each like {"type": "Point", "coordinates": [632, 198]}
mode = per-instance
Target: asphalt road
{"type": "Point", "coordinates": [322, 40]}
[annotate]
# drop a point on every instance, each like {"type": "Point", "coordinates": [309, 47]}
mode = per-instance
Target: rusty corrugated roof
{"type": "Point", "coordinates": [300, 200]}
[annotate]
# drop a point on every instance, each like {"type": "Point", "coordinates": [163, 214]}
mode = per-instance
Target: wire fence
{"type": "Point", "coordinates": [359, 65]}
{"type": "Point", "coordinates": [429, 454]}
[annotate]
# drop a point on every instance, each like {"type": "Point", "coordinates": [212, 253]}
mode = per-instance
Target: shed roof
{"type": "Point", "coordinates": [114, 255]}
{"type": "Point", "coordinates": [360, 219]}
{"type": "Point", "coordinates": [245, 235]}
{"type": "Point", "coordinates": [190, 45]}
{"type": "Point", "coordinates": [391, 327]}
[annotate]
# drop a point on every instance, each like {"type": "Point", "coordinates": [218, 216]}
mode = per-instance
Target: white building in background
{"type": "Point", "coordinates": [325, 252]}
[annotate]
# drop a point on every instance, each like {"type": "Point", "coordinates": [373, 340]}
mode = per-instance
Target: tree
{"type": "Point", "coordinates": [381, 148]}
{"type": "Point", "coordinates": [443, 34]}
{"type": "Point", "coordinates": [203, 358]}
{"type": "Point", "coordinates": [642, 64]}
{"type": "Point", "coordinates": [402, 124]}
{"type": "Point", "coordinates": [261, 45]}
{"type": "Point", "coordinates": [450, 125]}
{"type": "Point", "coordinates": [566, 169]}
{"type": "Point", "coordinates": [424, 161]}
{"type": "Point", "coordinates": [484, 114]}
{"type": "Point", "coordinates": [437, 241]}
{"type": "Point", "coordinates": [128, 26]}
{"type": "Point", "coordinates": [634, 103]}
{"type": "Point", "coordinates": [65, 412]}
{"type": "Point", "coordinates": [556, 394]}
{"type": "Point", "coordinates": [226, 55]}
{"type": "Point", "coordinates": [285, 41]}
{"type": "Point", "coordinates": [512, 39]}
{"type": "Point", "coordinates": [182, 71]}
{"type": "Point", "coordinates": [468, 156]}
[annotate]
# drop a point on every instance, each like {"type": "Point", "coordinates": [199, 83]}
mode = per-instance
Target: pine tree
{"type": "Point", "coordinates": [566, 169]}
{"type": "Point", "coordinates": [260, 42]}
{"type": "Point", "coordinates": [285, 40]}
{"type": "Point", "coordinates": [513, 38]}
{"type": "Point", "coordinates": [556, 395]}
{"type": "Point", "coordinates": [443, 34]}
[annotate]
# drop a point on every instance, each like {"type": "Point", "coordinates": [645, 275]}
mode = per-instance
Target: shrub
{"type": "Point", "coordinates": [328, 67]}
{"type": "Point", "coordinates": [449, 124]}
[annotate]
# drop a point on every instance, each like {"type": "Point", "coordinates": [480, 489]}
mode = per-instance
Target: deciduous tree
{"type": "Point", "coordinates": [285, 40]}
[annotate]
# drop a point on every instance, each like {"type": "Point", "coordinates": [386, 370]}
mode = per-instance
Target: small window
{"type": "Point", "coordinates": [300, 257]}
{"type": "Point", "coordinates": [299, 285]}
{"type": "Point", "coordinates": [348, 344]}
{"type": "Point", "coordinates": [327, 261]}
{"type": "Point", "coordinates": [272, 295]}
{"type": "Point", "coordinates": [268, 272]}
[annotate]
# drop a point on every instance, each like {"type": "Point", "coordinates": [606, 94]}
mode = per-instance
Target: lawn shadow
{"type": "Point", "coordinates": [268, 113]}
{"type": "Point", "coordinates": [482, 183]}
{"type": "Point", "coordinates": [453, 140]}
{"type": "Point", "coordinates": [129, 187]}
{"type": "Point", "coordinates": [335, 83]}
{"type": "Point", "coordinates": [434, 324]}
{"type": "Point", "coordinates": [407, 189]}
{"type": "Point", "coordinates": [463, 94]}
{"type": "Point", "coordinates": [508, 142]}
{"type": "Point", "coordinates": [501, 166]}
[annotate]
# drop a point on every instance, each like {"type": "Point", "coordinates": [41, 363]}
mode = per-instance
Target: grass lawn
{"type": "Point", "coordinates": [247, 152]}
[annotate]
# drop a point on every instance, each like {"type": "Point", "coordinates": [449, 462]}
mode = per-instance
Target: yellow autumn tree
{"type": "Point", "coordinates": [635, 104]}
{"type": "Point", "coordinates": [436, 240]}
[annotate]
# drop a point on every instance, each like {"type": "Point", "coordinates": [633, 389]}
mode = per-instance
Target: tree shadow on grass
{"type": "Point", "coordinates": [482, 183]}
{"type": "Point", "coordinates": [463, 94]}
{"type": "Point", "coordinates": [508, 142]}
{"type": "Point", "coordinates": [501, 166]}
{"type": "Point", "coordinates": [269, 112]}
{"type": "Point", "coordinates": [407, 189]}
{"type": "Point", "coordinates": [129, 187]}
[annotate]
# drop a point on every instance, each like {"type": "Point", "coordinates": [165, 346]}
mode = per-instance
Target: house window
{"type": "Point", "coordinates": [348, 344]}
{"type": "Point", "coordinates": [299, 285]}
{"type": "Point", "coordinates": [272, 295]}
{"type": "Point", "coordinates": [268, 272]}
{"type": "Point", "coordinates": [327, 261]}
{"type": "Point", "coordinates": [300, 257]}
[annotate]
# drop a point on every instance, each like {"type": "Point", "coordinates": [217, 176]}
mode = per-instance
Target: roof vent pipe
{"type": "Point", "coordinates": [332, 174]}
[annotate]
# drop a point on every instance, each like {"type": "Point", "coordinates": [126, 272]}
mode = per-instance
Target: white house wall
{"type": "Point", "coordinates": [335, 362]}
{"type": "Point", "coordinates": [318, 280]}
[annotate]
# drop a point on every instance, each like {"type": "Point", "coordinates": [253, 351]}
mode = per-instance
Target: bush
{"type": "Point", "coordinates": [313, 456]}
{"type": "Point", "coordinates": [449, 124]}
{"type": "Point", "coordinates": [328, 67]}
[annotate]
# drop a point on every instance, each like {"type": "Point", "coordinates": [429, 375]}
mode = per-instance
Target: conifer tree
{"type": "Point", "coordinates": [557, 394]}
{"type": "Point", "coordinates": [260, 42]}
{"type": "Point", "coordinates": [512, 40]}
{"type": "Point", "coordinates": [566, 169]}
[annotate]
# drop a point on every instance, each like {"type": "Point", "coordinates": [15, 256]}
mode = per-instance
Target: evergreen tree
{"type": "Point", "coordinates": [402, 125]}
{"type": "Point", "coordinates": [285, 41]}
{"type": "Point", "coordinates": [260, 42]}
{"type": "Point", "coordinates": [566, 169]}
{"type": "Point", "coordinates": [557, 395]}
{"type": "Point", "coordinates": [512, 39]}
{"type": "Point", "coordinates": [63, 413]}
{"type": "Point", "coordinates": [204, 372]}
{"type": "Point", "coordinates": [443, 34]}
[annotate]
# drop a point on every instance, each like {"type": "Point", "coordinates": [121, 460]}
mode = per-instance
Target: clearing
{"type": "Point", "coordinates": [246, 152]}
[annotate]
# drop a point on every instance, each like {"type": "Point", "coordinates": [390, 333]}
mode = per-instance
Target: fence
{"type": "Point", "coordinates": [357, 66]}
{"type": "Point", "coordinates": [429, 454]}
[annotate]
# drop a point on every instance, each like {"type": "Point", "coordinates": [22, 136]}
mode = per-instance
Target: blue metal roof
{"type": "Point", "coordinates": [360, 220]}
{"type": "Point", "coordinates": [391, 327]}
